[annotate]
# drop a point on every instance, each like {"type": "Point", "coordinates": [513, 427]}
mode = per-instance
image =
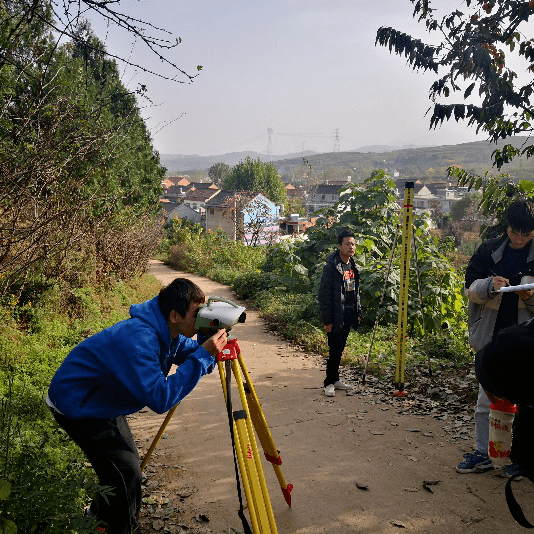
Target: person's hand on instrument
{"type": "Point", "coordinates": [216, 342]}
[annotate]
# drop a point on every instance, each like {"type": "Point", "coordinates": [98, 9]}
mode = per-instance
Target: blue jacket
{"type": "Point", "coordinates": [124, 368]}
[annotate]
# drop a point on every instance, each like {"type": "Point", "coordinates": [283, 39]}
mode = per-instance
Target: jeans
{"type": "Point", "coordinates": [336, 346]}
{"type": "Point", "coordinates": [109, 446]}
{"type": "Point", "coordinates": [482, 422]}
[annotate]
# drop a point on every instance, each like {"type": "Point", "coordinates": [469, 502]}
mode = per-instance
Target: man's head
{"type": "Point", "coordinates": [346, 244]}
{"type": "Point", "coordinates": [179, 303]}
{"type": "Point", "coordinates": [520, 223]}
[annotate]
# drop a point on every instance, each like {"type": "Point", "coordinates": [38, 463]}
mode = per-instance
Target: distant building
{"type": "Point", "coordinates": [178, 180]}
{"type": "Point", "coordinates": [182, 211]}
{"type": "Point", "coordinates": [323, 196]}
{"type": "Point", "coordinates": [295, 225]}
{"type": "Point", "coordinates": [176, 193]}
{"type": "Point", "coordinates": [167, 206]}
{"type": "Point", "coordinates": [202, 185]}
{"type": "Point", "coordinates": [196, 198]}
{"type": "Point", "coordinates": [239, 224]}
{"type": "Point", "coordinates": [430, 197]}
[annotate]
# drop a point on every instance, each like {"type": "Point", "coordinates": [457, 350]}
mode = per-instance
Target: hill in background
{"type": "Point", "coordinates": [417, 162]}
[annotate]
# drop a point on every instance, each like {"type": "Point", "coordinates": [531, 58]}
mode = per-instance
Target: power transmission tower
{"type": "Point", "coordinates": [270, 143]}
{"type": "Point", "coordinates": [336, 141]}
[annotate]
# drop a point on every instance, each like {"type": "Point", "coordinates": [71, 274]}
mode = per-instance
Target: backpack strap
{"type": "Point", "coordinates": [513, 505]}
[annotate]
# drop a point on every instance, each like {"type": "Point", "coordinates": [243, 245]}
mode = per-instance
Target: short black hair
{"type": "Point", "coordinates": [178, 295]}
{"type": "Point", "coordinates": [520, 216]}
{"type": "Point", "coordinates": [343, 234]}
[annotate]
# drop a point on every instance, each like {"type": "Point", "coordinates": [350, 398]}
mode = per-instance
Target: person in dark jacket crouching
{"type": "Point", "coordinates": [121, 370]}
{"type": "Point", "coordinates": [504, 368]}
{"type": "Point", "coordinates": [339, 305]}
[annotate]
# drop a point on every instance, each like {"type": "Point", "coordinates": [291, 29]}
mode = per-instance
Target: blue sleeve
{"type": "Point", "coordinates": [144, 379]}
{"type": "Point", "coordinates": [184, 347]}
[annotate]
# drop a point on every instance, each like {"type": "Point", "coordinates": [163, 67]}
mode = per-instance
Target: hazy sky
{"type": "Point", "coordinates": [304, 68]}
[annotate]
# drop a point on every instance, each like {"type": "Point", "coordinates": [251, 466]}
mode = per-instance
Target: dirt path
{"type": "Point", "coordinates": [329, 446]}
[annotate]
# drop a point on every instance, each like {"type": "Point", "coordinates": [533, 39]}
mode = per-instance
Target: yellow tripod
{"type": "Point", "coordinates": [244, 422]}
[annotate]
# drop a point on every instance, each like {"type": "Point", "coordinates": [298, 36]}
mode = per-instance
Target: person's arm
{"type": "Point", "coordinates": [326, 296]}
{"type": "Point", "coordinates": [144, 378]}
{"type": "Point", "coordinates": [480, 280]}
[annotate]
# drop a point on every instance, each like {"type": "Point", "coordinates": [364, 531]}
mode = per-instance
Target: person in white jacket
{"type": "Point", "coordinates": [504, 261]}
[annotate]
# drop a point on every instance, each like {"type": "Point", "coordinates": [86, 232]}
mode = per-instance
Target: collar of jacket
{"type": "Point", "coordinates": [336, 259]}
{"type": "Point", "coordinates": [497, 254]}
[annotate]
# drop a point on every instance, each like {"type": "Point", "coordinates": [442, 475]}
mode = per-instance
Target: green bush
{"type": "Point", "coordinates": [44, 483]}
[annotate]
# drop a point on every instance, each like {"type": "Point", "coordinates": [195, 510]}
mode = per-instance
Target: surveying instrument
{"type": "Point", "coordinates": [408, 240]}
{"type": "Point", "coordinates": [221, 313]}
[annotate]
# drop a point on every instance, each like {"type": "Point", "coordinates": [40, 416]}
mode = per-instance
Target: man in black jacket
{"type": "Point", "coordinates": [339, 305]}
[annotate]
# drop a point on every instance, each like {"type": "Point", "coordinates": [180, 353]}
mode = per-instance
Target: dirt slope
{"type": "Point", "coordinates": [329, 447]}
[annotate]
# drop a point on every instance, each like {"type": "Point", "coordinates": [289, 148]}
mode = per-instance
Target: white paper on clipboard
{"type": "Point", "coordinates": [511, 289]}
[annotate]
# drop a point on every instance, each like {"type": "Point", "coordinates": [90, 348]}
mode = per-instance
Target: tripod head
{"type": "Point", "coordinates": [218, 313]}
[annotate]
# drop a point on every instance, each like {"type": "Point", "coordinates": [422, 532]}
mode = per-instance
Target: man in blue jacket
{"type": "Point", "coordinates": [339, 305]}
{"type": "Point", "coordinates": [120, 371]}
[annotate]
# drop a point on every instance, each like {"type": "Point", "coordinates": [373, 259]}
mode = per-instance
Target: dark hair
{"type": "Point", "coordinates": [178, 295]}
{"type": "Point", "coordinates": [343, 234]}
{"type": "Point", "coordinates": [520, 216]}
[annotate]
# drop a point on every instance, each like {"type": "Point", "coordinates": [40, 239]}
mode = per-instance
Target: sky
{"type": "Point", "coordinates": [308, 70]}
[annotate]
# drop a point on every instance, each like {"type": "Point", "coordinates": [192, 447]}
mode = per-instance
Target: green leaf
{"type": "Point", "coordinates": [7, 526]}
{"type": "Point", "coordinates": [5, 489]}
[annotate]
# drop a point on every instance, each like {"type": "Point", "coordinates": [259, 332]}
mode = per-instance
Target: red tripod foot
{"type": "Point", "coordinates": [287, 494]}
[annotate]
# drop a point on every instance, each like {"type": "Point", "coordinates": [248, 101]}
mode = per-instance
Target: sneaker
{"type": "Point", "coordinates": [510, 470]}
{"type": "Point", "coordinates": [342, 385]}
{"type": "Point", "coordinates": [475, 462]}
{"type": "Point", "coordinates": [330, 390]}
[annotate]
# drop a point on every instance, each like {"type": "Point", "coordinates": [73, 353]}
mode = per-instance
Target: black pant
{"type": "Point", "coordinates": [109, 446]}
{"type": "Point", "coordinates": [336, 346]}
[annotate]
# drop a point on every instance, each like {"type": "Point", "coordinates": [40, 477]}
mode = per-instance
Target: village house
{"type": "Point", "coordinates": [196, 198]}
{"type": "Point", "coordinates": [295, 225]}
{"type": "Point", "coordinates": [324, 196]}
{"type": "Point", "coordinates": [183, 211]}
{"type": "Point", "coordinates": [238, 216]}
{"type": "Point", "coordinates": [432, 197]}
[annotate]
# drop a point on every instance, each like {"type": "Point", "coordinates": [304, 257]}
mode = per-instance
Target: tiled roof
{"type": "Point", "coordinates": [200, 195]}
{"type": "Point", "coordinates": [203, 185]}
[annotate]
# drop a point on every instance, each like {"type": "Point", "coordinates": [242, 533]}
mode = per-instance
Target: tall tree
{"type": "Point", "coordinates": [258, 177]}
{"type": "Point", "coordinates": [76, 163]}
{"type": "Point", "coordinates": [218, 171]}
{"type": "Point", "coordinates": [482, 46]}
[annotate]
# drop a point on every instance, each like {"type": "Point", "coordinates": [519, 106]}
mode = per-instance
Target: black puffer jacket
{"type": "Point", "coordinates": [331, 294]}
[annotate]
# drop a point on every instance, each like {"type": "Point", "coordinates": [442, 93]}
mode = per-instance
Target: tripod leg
{"type": "Point", "coordinates": [250, 476]}
{"type": "Point", "coordinates": [260, 425]}
{"type": "Point", "coordinates": [253, 451]}
{"type": "Point", "coordinates": [253, 482]}
{"type": "Point", "coordinates": [155, 442]}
